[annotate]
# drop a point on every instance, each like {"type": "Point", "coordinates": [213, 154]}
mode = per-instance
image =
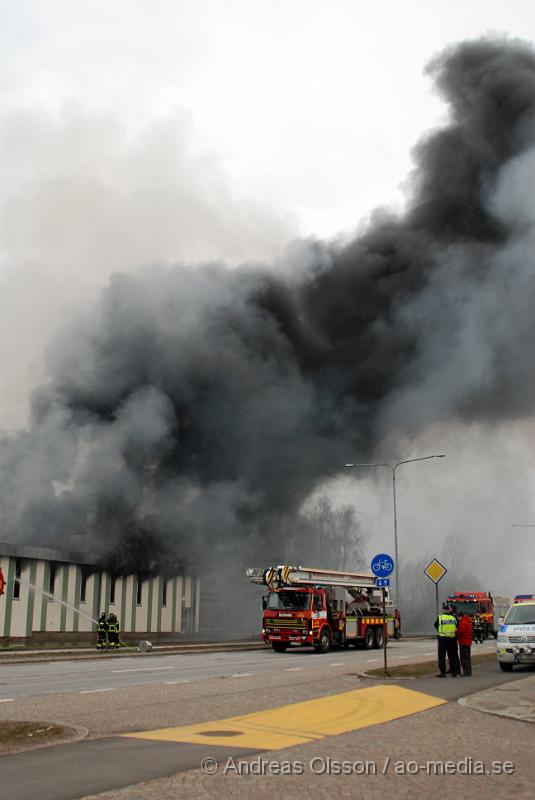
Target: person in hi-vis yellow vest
{"type": "Point", "coordinates": [446, 627]}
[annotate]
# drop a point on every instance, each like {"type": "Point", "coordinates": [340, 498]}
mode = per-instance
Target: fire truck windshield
{"type": "Point", "coordinates": [291, 601]}
{"type": "Point", "coordinates": [467, 606]}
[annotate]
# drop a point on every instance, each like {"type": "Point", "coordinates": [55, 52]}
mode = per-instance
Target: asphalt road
{"type": "Point", "coordinates": [117, 695]}
{"type": "Point", "coordinates": [107, 674]}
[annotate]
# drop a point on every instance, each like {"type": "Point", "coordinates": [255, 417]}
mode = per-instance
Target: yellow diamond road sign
{"type": "Point", "coordinates": [435, 570]}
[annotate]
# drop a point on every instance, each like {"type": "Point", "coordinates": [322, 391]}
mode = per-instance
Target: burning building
{"type": "Point", "coordinates": [57, 595]}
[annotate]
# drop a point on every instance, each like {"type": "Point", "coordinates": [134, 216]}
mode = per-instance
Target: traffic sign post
{"type": "Point", "coordinates": [383, 566]}
{"type": "Point", "coordinates": [435, 571]}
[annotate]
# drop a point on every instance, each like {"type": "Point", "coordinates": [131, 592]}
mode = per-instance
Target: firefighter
{"type": "Point", "coordinates": [102, 632]}
{"type": "Point", "coordinates": [478, 630]}
{"type": "Point", "coordinates": [113, 632]}
{"type": "Point", "coordinates": [446, 627]}
{"type": "Point", "coordinates": [397, 624]}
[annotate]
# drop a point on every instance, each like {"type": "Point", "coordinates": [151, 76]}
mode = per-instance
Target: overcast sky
{"type": "Point", "coordinates": [133, 132]}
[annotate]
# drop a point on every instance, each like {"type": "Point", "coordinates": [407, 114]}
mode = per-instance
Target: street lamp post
{"type": "Point", "coordinates": [393, 468]}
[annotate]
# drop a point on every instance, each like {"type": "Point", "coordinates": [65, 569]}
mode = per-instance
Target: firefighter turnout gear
{"type": "Point", "coordinates": [478, 629]}
{"type": "Point", "coordinates": [113, 632]}
{"type": "Point", "coordinates": [102, 632]}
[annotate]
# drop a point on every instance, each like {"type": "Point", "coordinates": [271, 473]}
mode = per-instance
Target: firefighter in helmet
{"type": "Point", "coordinates": [102, 632]}
{"type": "Point", "coordinates": [113, 632]}
{"type": "Point", "coordinates": [477, 629]}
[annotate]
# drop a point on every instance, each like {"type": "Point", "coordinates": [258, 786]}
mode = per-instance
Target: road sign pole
{"type": "Point", "coordinates": [382, 566]}
{"type": "Point", "coordinates": [385, 630]}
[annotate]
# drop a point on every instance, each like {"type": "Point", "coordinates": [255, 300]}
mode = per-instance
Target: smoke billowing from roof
{"type": "Point", "coordinates": [199, 406]}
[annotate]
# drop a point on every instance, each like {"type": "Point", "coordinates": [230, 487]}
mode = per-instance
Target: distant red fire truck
{"type": "Point", "coordinates": [489, 609]}
{"type": "Point", "coordinates": [322, 607]}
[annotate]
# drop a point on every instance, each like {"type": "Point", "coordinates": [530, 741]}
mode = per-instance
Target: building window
{"type": "Point", "coordinates": [16, 582]}
{"type": "Point", "coordinates": [112, 590]}
{"type": "Point", "coordinates": [83, 586]}
{"type": "Point", "coordinates": [164, 593]}
{"type": "Point", "coordinates": [139, 591]}
{"type": "Point", "coordinates": [52, 580]}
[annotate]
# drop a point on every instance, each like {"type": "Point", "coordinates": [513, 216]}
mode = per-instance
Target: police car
{"type": "Point", "coordinates": [515, 643]}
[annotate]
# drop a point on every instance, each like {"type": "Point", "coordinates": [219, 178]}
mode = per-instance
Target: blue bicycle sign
{"type": "Point", "coordinates": [382, 565]}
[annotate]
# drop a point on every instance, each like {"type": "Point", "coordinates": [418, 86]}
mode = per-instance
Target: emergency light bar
{"type": "Point", "coordinates": [522, 598]}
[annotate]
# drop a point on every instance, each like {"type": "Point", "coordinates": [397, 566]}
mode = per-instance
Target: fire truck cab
{"type": "Point", "coordinates": [489, 610]}
{"type": "Point", "coordinates": [322, 608]}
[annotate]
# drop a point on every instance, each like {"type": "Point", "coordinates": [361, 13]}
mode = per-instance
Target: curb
{"type": "Point", "coordinates": [392, 677]}
{"type": "Point", "coordinates": [496, 712]}
{"type": "Point", "coordinates": [19, 657]}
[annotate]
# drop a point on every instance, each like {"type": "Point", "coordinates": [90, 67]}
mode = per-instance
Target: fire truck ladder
{"type": "Point", "coordinates": [277, 577]}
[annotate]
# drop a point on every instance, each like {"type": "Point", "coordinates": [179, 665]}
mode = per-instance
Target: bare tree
{"type": "Point", "coordinates": [418, 600]}
{"type": "Point", "coordinates": [336, 537]}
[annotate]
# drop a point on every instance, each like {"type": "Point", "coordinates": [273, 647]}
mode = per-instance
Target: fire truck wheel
{"type": "Point", "coordinates": [324, 644]}
{"type": "Point", "coordinates": [279, 647]}
{"type": "Point", "coordinates": [379, 637]}
{"type": "Point", "coordinates": [369, 639]}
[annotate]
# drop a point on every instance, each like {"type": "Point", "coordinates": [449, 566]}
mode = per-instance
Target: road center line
{"type": "Point", "coordinates": [7, 699]}
{"type": "Point", "coordinates": [338, 664]}
{"type": "Point", "coordinates": [171, 683]}
{"type": "Point", "coordinates": [293, 669]}
{"type": "Point", "coordinates": [142, 669]}
{"type": "Point", "coordinates": [94, 691]}
{"type": "Point", "coordinates": [241, 675]}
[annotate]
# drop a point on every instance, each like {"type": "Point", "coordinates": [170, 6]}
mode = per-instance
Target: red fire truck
{"type": "Point", "coordinates": [489, 609]}
{"type": "Point", "coordinates": [322, 607]}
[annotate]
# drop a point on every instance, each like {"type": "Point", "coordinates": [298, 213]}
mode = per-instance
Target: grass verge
{"type": "Point", "coordinates": [424, 668]}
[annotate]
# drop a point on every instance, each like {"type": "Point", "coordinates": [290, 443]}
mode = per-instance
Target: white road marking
{"type": "Point", "coordinates": [293, 669]}
{"type": "Point", "coordinates": [241, 675]}
{"type": "Point", "coordinates": [141, 669]}
{"type": "Point", "coordinates": [171, 683]}
{"type": "Point", "coordinates": [93, 691]}
{"type": "Point", "coordinates": [7, 699]}
{"type": "Point", "coordinates": [403, 657]}
{"type": "Point", "coordinates": [369, 660]}
{"type": "Point", "coordinates": [338, 664]}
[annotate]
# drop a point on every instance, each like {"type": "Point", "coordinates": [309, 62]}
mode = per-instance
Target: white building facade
{"type": "Point", "coordinates": [53, 595]}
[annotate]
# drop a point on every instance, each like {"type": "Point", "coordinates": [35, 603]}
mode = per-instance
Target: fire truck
{"type": "Point", "coordinates": [489, 609]}
{"type": "Point", "coordinates": [322, 607]}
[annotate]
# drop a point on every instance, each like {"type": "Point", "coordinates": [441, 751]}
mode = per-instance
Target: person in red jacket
{"type": "Point", "coordinates": [464, 639]}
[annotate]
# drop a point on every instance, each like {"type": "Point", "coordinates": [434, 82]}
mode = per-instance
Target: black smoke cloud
{"type": "Point", "coordinates": [196, 408]}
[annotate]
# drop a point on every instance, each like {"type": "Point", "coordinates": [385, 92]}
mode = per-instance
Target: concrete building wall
{"type": "Point", "coordinates": [80, 594]}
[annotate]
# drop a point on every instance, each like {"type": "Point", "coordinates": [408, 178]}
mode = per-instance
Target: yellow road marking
{"type": "Point", "coordinates": [298, 723]}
